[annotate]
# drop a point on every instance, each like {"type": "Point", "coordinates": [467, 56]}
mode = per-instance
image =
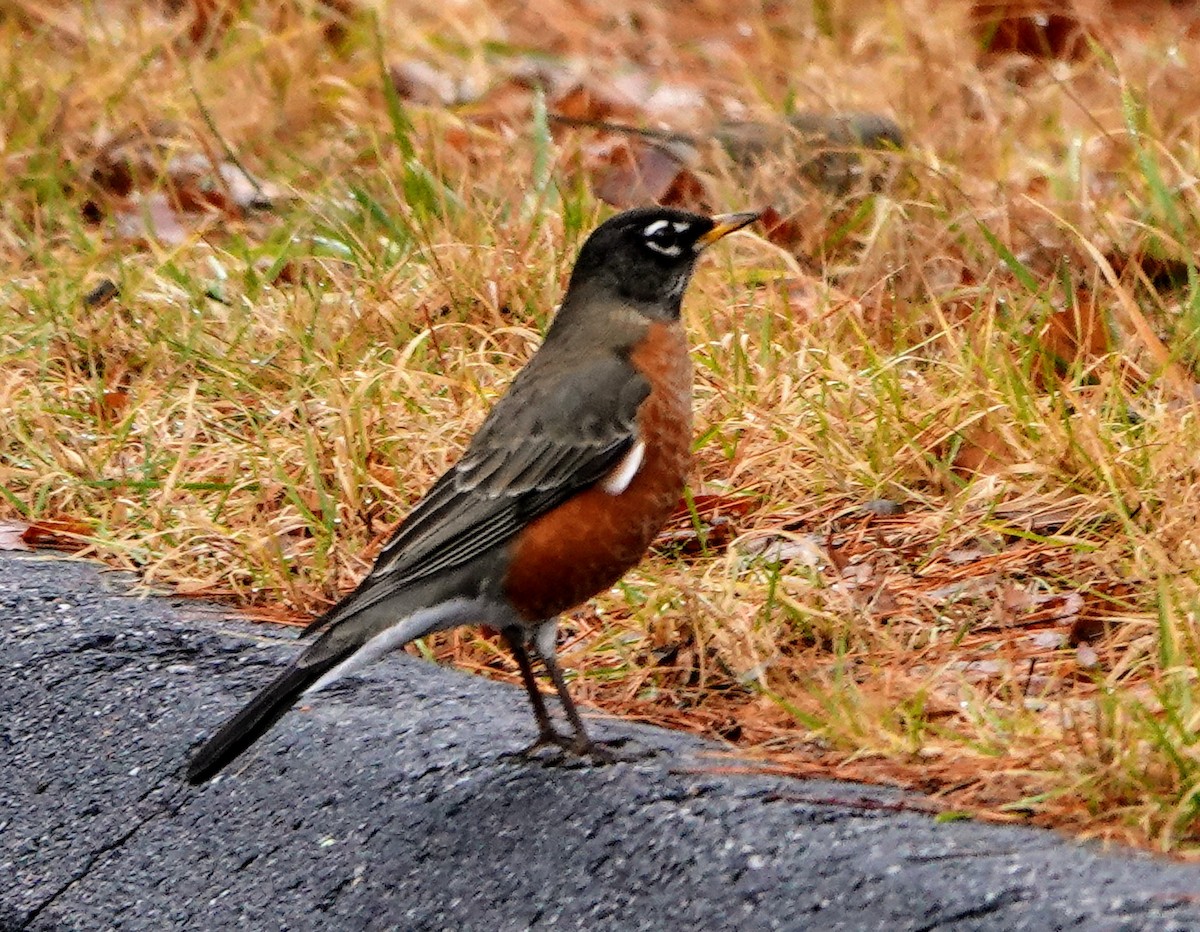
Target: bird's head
{"type": "Point", "coordinates": [645, 257]}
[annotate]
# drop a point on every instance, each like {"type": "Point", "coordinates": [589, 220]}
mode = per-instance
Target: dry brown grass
{"type": "Point", "coordinates": [995, 341]}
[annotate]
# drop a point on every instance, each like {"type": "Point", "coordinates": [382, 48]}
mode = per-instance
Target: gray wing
{"type": "Point", "coordinates": [554, 434]}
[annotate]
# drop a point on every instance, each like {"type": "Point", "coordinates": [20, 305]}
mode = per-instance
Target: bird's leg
{"type": "Point", "coordinates": [580, 743]}
{"type": "Point", "coordinates": [515, 638]}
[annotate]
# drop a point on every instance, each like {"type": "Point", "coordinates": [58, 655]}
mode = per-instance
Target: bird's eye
{"type": "Point", "coordinates": [663, 237]}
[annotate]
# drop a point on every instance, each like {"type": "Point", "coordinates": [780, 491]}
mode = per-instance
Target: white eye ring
{"type": "Point", "coordinates": [673, 250]}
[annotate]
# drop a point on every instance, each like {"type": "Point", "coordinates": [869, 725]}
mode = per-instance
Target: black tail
{"type": "Point", "coordinates": [252, 722]}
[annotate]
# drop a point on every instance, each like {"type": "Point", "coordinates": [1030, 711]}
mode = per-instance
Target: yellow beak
{"type": "Point", "coordinates": [724, 224]}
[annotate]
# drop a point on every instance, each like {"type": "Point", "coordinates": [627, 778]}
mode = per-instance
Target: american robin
{"type": "Point", "coordinates": [560, 492]}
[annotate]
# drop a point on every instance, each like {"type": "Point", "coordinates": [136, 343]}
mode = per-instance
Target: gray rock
{"type": "Point", "coordinates": [390, 804]}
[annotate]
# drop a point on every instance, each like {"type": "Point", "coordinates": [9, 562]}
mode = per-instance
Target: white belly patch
{"type": "Point", "coordinates": [618, 480]}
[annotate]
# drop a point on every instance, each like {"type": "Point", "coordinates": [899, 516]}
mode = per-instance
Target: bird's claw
{"type": "Point", "coordinates": [614, 751]}
{"type": "Point", "coordinates": [573, 750]}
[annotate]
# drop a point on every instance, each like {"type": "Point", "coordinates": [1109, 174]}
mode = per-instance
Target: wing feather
{"type": "Point", "coordinates": [553, 435]}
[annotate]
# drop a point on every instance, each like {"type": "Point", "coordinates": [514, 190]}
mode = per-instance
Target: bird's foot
{"type": "Point", "coordinates": [611, 751]}
{"type": "Point", "coordinates": [555, 750]}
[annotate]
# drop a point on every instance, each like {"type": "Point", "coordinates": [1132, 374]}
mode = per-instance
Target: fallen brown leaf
{"type": "Point", "coordinates": [209, 19]}
{"type": "Point", "coordinates": [197, 187]}
{"type": "Point", "coordinates": [981, 450]}
{"type": "Point", "coordinates": [151, 179]}
{"type": "Point", "coordinates": [780, 230]}
{"type": "Point", "coordinates": [110, 406]}
{"type": "Point", "coordinates": [589, 101]}
{"type": "Point", "coordinates": [57, 534]}
{"type": "Point", "coordinates": [337, 15]}
{"type": "Point", "coordinates": [1027, 27]}
{"type": "Point", "coordinates": [1160, 272]}
{"type": "Point", "coordinates": [630, 173]}
{"type": "Point", "coordinates": [1074, 335]}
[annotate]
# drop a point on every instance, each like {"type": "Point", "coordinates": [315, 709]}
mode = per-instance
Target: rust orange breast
{"type": "Point", "coordinates": [590, 541]}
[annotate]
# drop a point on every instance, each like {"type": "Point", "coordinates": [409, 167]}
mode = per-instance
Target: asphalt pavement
{"type": "Point", "coordinates": [392, 803]}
